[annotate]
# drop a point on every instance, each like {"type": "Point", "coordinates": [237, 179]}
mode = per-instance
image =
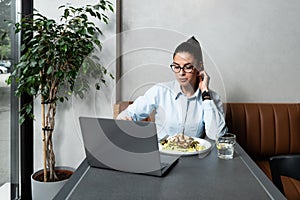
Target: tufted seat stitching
{"type": "Point", "coordinates": [246, 128]}
{"type": "Point", "coordinates": [290, 127]}
{"type": "Point", "coordinates": [291, 187]}
{"type": "Point", "coordinates": [260, 128]}
{"type": "Point", "coordinates": [275, 130]}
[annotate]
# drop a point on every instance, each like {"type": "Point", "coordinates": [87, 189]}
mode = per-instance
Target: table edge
{"type": "Point", "coordinates": [260, 176]}
{"type": "Point", "coordinates": [70, 185]}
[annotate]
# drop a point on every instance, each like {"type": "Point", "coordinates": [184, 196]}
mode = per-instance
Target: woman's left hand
{"type": "Point", "coordinates": [204, 81]}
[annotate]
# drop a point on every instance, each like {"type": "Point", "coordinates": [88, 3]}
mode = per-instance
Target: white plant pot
{"type": "Point", "coordinates": [46, 190]}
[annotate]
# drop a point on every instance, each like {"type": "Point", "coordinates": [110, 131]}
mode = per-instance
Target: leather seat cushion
{"type": "Point", "coordinates": [291, 186]}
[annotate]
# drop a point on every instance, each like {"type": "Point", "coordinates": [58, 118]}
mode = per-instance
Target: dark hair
{"type": "Point", "coordinates": [191, 46]}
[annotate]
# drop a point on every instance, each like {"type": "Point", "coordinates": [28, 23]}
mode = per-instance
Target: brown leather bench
{"type": "Point", "coordinates": [263, 130]}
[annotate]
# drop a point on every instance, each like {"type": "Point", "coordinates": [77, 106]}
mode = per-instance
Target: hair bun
{"type": "Point", "coordinates": [193, 41]}
{"type": "Point", "coordinates": [191, 46]}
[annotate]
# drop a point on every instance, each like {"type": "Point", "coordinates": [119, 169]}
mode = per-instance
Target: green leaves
{"type": "Point", "coordinates": [66, 13]}
{"type": "Point", "coordinates": [57, 56]}
{"type": "Point", "coordinates": [50, 70]}
{"type": "Point", "coordinates": [25, 112]}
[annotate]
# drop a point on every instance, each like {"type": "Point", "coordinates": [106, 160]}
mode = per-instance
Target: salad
{"type": "Point", "coordinates": [182, 143]}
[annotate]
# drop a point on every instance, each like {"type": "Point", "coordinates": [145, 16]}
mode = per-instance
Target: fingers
{"type": "Point", "coordinates": [204, 80]}
{"type": "Point", "coordinates": [203, 74]}
{"type": "Point", "coordinates": [127, 118]}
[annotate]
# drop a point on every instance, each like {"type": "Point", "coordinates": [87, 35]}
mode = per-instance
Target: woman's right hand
{"type": "Point", "coordinates": [126, 118]}
{"type": "Point", "coordinates": [204, 81]}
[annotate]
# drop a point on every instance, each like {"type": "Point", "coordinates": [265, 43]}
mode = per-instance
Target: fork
{"type": "Point", "coordinates": [164, 138]}
{"type": "Point", "coordinates": [203, 155]}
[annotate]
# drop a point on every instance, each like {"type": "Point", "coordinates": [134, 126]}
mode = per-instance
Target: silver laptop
{"type": "Point", "coordinates": [124, 146]}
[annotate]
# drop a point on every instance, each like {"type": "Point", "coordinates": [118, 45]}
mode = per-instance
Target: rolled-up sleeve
{"type": "Point", "coordinates": [142, 106]}
{"type": "Point", "coordinates": [214, 119]}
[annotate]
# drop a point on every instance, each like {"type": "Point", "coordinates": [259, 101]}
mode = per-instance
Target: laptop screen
{"type": "Point", "coordinates": [121, 145]}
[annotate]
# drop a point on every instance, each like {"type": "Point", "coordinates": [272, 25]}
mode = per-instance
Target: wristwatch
{"type": "Point", "coordinates": [206, 95]}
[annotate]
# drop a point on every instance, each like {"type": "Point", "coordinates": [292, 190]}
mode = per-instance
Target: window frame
{"type": "Point", "coordinates": [21, 141]}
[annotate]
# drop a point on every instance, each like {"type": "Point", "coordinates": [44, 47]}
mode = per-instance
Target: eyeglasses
{"type": "Point", "coordinates": [186, 68]}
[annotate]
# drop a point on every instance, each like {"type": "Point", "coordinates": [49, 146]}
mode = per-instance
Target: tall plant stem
{"type": "Point", "coordinates": [44, 138]}
{"type": "Point", "coordinates": [50, 123]}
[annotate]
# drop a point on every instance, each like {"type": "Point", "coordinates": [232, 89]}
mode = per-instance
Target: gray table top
{"type": "Point", "coordinates": [190, 178]}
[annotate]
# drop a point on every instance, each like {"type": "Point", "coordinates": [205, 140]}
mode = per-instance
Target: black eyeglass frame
{"type": "Point", "coordinates": [184, 68]}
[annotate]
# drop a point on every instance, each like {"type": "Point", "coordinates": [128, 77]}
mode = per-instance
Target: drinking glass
{"type": "Point", "coordinates": [225, 146]}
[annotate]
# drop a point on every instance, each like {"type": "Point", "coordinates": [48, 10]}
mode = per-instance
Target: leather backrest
{"type": "Point", "coordinates": [262, 129]}
{"type": "Point", "coordinates": [265, 129]}
{"type": "Point", "coordinates": [120, 106]}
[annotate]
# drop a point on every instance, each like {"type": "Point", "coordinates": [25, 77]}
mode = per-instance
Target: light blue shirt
{"type": "Point", "coordinates": [175, 112]}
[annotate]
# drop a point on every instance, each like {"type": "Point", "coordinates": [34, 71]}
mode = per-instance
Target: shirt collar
{"type": "Point", "coordinates": [178, 91]}
{"type": "Point", "coordinates": [197, 94]}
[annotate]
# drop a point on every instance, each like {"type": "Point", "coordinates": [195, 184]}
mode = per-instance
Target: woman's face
{"type": "Point", "coordinates": [186, 79]}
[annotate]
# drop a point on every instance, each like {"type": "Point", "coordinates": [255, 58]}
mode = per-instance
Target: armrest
{"type": "Point", "coordinates": [120, 106]}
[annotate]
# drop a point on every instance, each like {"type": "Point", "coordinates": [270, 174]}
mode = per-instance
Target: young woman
{"type": "Point", "coordinates": [185, 105]}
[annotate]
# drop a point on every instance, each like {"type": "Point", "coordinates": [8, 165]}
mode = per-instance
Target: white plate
{"type": "Point", "coordinates": [202, 142]}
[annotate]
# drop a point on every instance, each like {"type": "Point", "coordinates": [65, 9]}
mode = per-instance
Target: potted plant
{"type": "Point", "coordinates": [58, 60]}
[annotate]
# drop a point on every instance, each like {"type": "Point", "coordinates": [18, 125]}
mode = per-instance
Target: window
{"type": "Point", "coordinates": [9, 142]}
{"type": "Point", "coordinates": [16, 149]}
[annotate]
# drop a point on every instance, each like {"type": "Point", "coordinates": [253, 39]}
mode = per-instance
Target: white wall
{"type": "Point", "coordinates": [67, 137]}
{"type": "Point", "coordinates": [251, 48]}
